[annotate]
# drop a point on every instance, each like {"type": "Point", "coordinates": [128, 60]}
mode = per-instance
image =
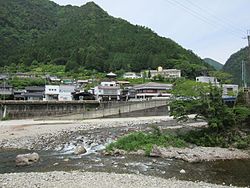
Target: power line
{"type": "Point", "coordinates": [200, 17]}
{"type": "Point", "coordinates": [224, 21]}
{"type": "Point", "coordinates": [208, 20]}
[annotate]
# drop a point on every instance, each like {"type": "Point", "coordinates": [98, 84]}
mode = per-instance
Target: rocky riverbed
{"type": "Point", "coordinates": [44, 135]}
{"type": "Point", "coordinates": [56, 141]}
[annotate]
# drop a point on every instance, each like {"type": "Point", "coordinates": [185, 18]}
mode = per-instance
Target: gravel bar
{"type": "Point", "coordinates": [94, 180]}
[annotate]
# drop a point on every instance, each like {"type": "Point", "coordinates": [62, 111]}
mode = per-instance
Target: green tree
{"type": "Point", "coordinates": [222, 77]}
{"type": "Point", "coordinates": [206, 102]}
{"type": "Point", "coordinates": [149, 74]}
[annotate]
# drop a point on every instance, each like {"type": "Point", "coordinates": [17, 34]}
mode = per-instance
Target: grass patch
{"type": "Point", "coordinates": [205, 137]}
{"type": "Point", "coordinates": [145, 141]}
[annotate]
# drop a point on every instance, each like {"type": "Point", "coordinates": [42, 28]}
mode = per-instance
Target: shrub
{"type": "Point", "coordinates": [139, 140]}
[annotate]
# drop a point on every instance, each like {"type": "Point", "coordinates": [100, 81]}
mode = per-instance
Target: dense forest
{"type": "Point", "coordinates": [42, 32]}
{"type": "Point", "coordinates": [234, 66]}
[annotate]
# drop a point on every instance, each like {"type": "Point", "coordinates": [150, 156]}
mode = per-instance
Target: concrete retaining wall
{"type": "Point", "coordinates": [72, 109]}
{"type": "Point", "coordinates": [36, 109]}
{"type": "Point", "coordinates": [109, 109]}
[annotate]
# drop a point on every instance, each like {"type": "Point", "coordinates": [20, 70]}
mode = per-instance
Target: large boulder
{"type": "Point", "coordinates": [27, 159]}
{"type": "Point", "coordinates": [79, 150]}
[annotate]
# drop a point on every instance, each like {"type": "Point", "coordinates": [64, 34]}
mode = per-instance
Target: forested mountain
{"type": "Point", "coordinates": [213, 63]}
{"type": "Point", "coordinates": [234, 65]}
{"type": "Point", "coordinates": [86, 37]}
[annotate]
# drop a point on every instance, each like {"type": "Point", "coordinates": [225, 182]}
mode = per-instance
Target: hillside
{"type": "Point", "coordinates": [213, 63]}
{"type": "Point", "coordinates": [234, 64]}
{"type": "Point", "coordinates": [86, 37]}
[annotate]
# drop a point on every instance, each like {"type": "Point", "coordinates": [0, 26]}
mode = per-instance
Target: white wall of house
{"type": "Point", "coordinates": [52, 89]}
{"type": "Point", "coordinates": [51, 92]}
{"type": "Point", "coordinates": [230, 89]}
{"type": "Point", "coordinates": [61, 93]}
{"type": "Point", "coordinates": [206, 79]}
{"type": "Point", "coordinates": [131, 75]}
{"type": "Point", "coordinates": [65, 92]}
{"type": "Point", "coordinates": [166, 73]}
{"type": "Point", "coordinates": [172, 73]}
{"type": "Point", "coordinates": [107, 89]}
{"type": "Point", "coordinates": [109, 84]}
{"type": "Point", "coordinates": [65, 97]}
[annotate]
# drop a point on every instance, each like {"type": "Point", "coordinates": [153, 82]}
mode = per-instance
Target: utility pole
{"type": "Point", "coordinates": [243, 74]}
{"type": "Point", "coordinates": [245, 66]}
{"type": "Point", "coordinates": [248, 38]}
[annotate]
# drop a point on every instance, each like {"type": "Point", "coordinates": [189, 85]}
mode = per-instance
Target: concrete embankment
{"type": "Point", "coordinates": [35, 109]}
{"type": "Point", "coordinates": [74, 109]}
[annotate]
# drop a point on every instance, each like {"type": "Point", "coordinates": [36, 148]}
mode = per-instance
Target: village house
{"type": "Point", "coordinates": [24, 75]}
{"type": "Point", "coordinates": [207, 79]}
{"type": "Point", "coordinates": [151, 89]}
{"type": "Point", "coordinates": [83, 96]}
{"type": "Point", "coordinates": [34, 93]}
{"type": "Point", "coordinates": [165, 73]}
{"type": "Point", "coordinates": [4, 76]}
{"type": "Point", "coordinates": [107, 91]}
{"type": "Point", "coordinates": [66, 92]}
{"type": "Point", "coordinates": [82, 83]}
{"type": "Point", "coordinates": [131, 75]}
{"type": "Point", "coordinates": [19, 94]}
{"type": "Point", "coordinates": [6, 91]}
{"type": "Point", "coordinates": [54, 79]}
{"type": "Point", "coordinates": [230, 89]}
{"type": "Point", "coordinates": [51, 92]}
{"type": "Point", "coordinates": [59, 93]}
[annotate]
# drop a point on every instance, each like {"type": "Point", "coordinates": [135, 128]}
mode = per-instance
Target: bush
{"type": "Point", "coordinates": [145, 141]}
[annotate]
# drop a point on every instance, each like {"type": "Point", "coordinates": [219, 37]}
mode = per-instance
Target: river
{"type": "Point", "coordinates": [229, 172]}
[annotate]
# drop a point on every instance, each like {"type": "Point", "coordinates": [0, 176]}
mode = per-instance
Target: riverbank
{"type": "Point", "coordinates": [60, 135]}
{"type": "Point", "coordinates": [94, 180]}
{"type": "Point", "coordinates": [55, 142]}
{"type": "Point", "coordinates": [30, 134]}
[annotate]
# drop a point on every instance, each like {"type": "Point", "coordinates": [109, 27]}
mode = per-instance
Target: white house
{"type": "Point", "coordinates": [131, 75]}
{"type": "Point", "coordinates": [230, 89]}
{"type": "Point", "coordinates": [54, 79]}
{"type": "Point", "coordinates": [65, 92]}
{"type": "Point", "coordinates": [151, 89]}
{"type": "Point", "coordinates": [59, 93]}
{"type": "Point", "coordinates": [166, 73]}
{"type": "Point", "coordinates": [107, 91]}
{"type": "Point", "coordinates": [51, 92]}
{"type": "Point", "coordinates": [207, 79]}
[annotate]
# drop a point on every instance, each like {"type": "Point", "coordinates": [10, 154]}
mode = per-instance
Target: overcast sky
{"type": "Point", "coordinates": [210, 28]}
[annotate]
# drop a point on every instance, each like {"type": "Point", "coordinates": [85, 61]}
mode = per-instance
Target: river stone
{"type": "Point", "coordinates": [79, 150]}
{"type": "Point", "coordinates": [27, 159]}
{"type": "Point", "coordinates": [156, 152]}
{"type": "Point", "coordinates": [182, 171]}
